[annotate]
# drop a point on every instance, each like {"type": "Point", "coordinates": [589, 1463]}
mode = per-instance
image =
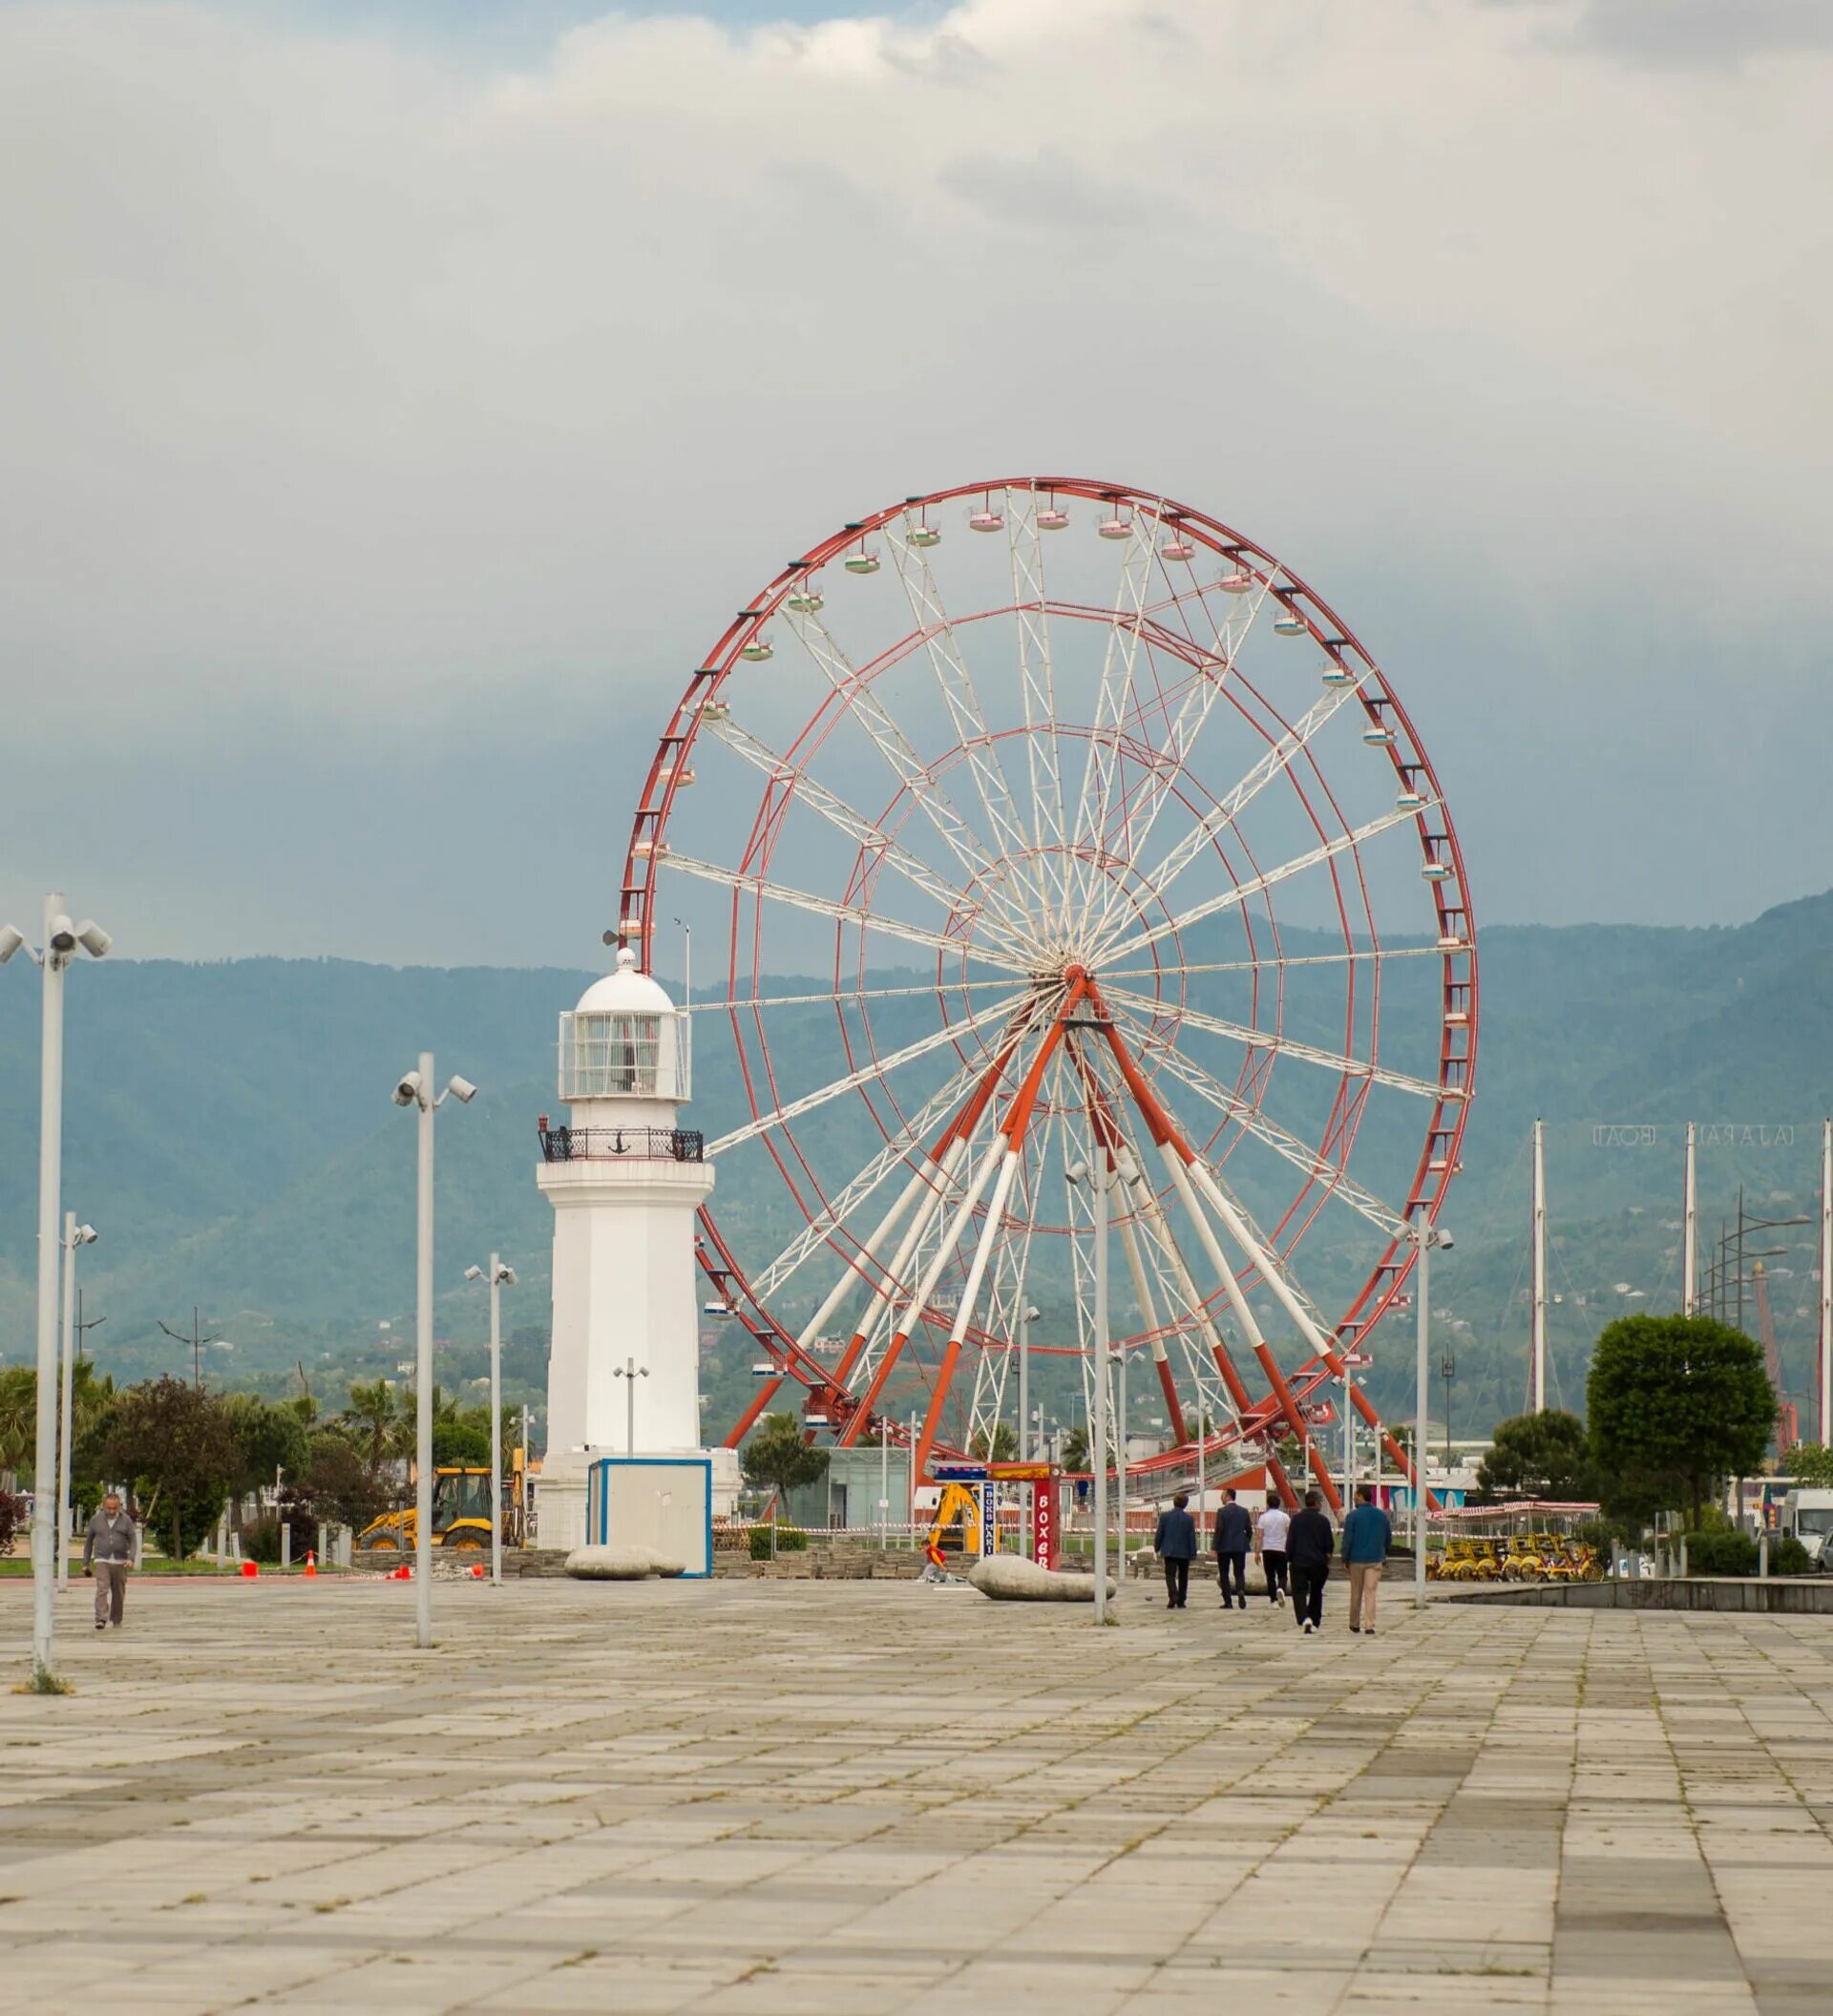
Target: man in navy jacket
{"type": "Point", "coordinates": [1176, 1545]}
{"type": "Point", "coordinates": [1309, 1545]}
{"type": "Point", "coordinates": [1233, 1536]}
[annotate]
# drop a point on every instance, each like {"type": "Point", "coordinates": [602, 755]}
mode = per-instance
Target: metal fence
{"type": "Point", "coordinates": [623, 1143]}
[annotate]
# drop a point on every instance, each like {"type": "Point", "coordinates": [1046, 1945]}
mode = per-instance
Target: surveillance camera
{"type": "Point", "coordinates": [63, 934]}
{"type": "Point", "coordinates": [93, 938]}
{"type": "Point", "coordinates": [12, 938]}
{"type": "Point", "coordinates": [1078, 1172]}
{"type": "Point", "coordinates": [1445, 1242]}
{"type": "Point", "coordinates": [507, 1276]}
{"type": "Point", "coordinates": [87, 1235]}
{"type": "Point", "coordinates": [461, 1089]}
{"type": "Point", "coordinates": [407, 1090]}
{"type": "Point", "coordinates": [474, 1274]}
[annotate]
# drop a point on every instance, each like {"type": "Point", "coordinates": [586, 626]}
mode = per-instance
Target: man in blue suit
{"type": "Point", "coordinates": [1176, 1545]}
{"type": "Point", "coordinates": [1232, 1537]}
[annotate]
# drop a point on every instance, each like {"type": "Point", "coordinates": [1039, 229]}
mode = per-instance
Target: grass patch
{"type": "Point", "coordinates": [44, 1681]}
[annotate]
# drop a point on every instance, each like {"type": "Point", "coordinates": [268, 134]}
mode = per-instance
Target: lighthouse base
{"type": "Point", "coordinates": [565, 1518]}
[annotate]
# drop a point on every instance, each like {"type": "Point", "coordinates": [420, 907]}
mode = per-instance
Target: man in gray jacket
{"type": "Point", "coordinates": [107, 1555]}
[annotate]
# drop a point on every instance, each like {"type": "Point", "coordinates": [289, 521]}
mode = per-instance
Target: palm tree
{"type": "Point", "coordinates": [375, 1413]}
{"type": "Point", "coordinates": [19, 1419]}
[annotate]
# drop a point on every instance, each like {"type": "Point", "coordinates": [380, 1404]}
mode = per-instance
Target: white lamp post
{"type": "Point", "coordinates": [415, 1090]}
{"type": "Point", "coordinates": [61, 941]}
{"type": "Point", "coordinates": [1425, 1236]}
{"type": "Point", "coordinates": [499, 1277]}
{"type": "Point", "coordinates": [1097, 1177]}
{"type": "Point", "coordinates": [74, 1236]}
{"type": "Point", "coordinates": [1028, 1314]}
{"type": "Point", "coordinates": [630, 1372]}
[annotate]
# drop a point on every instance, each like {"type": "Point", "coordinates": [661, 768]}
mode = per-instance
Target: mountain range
{"type": "Point", "coordinates": [230, 1132]}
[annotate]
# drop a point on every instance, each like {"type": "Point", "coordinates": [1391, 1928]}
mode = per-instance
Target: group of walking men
{"type": "Point", "coordinates": [1295, 1550]}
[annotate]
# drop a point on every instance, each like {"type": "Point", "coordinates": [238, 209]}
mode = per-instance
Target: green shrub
{"type": "Point", "coordinates": [1721, 1551]}
{"type": "Point", "coordinates": [261, 1541]}
{"type": "Point", "coordinates": [790, 1540]}
{"type": "Point", "coordinates": [1787, 1556]}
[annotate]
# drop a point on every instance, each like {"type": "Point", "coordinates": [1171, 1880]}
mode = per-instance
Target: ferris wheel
{"type": "Point", "coordinates": [1070, 858]}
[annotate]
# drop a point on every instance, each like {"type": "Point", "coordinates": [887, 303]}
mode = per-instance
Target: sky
{"type": "Point", "coordinates": [397, 396]}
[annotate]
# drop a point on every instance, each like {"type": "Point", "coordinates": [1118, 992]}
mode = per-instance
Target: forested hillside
{"type": "Point", "coordinates": [230, 1133]}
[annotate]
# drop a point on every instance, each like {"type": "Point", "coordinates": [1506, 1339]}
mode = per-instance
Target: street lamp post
{"type": "Point", "coordinates": [415, 1089]}
{"type": "Point", "coordinates": [74, 1236]}
{"type": "Point", "coordinates": [1425, 1236]}
{"type": "Point", "coordinates": [630, 1372]}
{"type": "Point", "coordinates": [61, 939]}
{"type": "Point", "coordinates": [499, 1278]}
{"type": "Point", "coordinates": [1097, 1177]}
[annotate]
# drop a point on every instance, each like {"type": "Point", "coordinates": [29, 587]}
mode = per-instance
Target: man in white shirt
{"type": "Point", "coordinates": [1270, 1531]}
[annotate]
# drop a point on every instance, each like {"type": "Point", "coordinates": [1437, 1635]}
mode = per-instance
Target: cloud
{"type": "Point", "coordinates": [350, 380]}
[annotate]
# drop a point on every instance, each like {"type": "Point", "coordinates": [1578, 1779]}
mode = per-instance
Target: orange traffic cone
{"type": "Point", "coordinates": [250, 1571]}
{"type": "Point", "coordinates": [311, 1562]}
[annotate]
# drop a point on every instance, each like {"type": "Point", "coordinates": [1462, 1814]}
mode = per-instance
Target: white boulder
{"type": "Point", "coordinates": [624, 1563]}
{"type": "Point", "coordinates": [1012, 1578]}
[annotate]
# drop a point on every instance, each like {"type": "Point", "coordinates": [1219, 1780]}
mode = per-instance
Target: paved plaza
{"type": "Point", "coordinates": [876, 1797]}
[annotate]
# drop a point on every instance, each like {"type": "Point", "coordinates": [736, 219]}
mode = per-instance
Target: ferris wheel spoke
{"type": "Point", "coordinates": [1113, 709]}
{"type": "Point", "coordinates": [1277, 760]}
{"type": "Point", "coordinates": [768, 888]}
{"type": "Point", "coordinates": [1244, 891]}
{"type": "Point", "coordinates": [867, 1074]}
{"type": "Point", "coordinates": [1334, 1180]}
{"type": "Point", "coordinates": [1171, 759]}
{"type": "Point", "coordinates": [1279, 963]}
{"type": "Point", "coordinates": [829, 805]}
{"type": "Point", "coordinates": [1038, 690]}
{"type": "Point", "coordinates": [1011, 838]}
{"type": "Point", "coordinates": [814, 1235]}
{"type": "Point", "coordinates": [831, 997]}
{"type": "Point", "coordinates": [1259, 1040]}
{"type": "Point", "coordinates": [900, 758]}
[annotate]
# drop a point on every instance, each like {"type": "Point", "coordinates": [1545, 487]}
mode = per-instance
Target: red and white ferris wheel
{"type": "Point", "coordinates": [1119, 862]}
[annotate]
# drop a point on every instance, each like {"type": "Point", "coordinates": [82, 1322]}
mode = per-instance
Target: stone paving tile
{"type": "Point", "coordinates": [751, 1798]}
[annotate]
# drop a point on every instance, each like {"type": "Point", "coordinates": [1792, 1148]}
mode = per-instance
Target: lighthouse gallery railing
{"type": "Point", "coordinates": [622, 1143]}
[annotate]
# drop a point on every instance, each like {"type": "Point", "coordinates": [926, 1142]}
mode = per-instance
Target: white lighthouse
{"type": "Point", "coordinates": [625, 1180]}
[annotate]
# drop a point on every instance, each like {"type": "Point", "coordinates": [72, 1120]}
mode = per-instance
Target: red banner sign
{"type": "Point", "coordinates": [1044, 1526]}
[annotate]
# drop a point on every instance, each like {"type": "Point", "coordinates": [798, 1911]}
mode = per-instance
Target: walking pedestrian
{"type": "Point", "coordinates": [1233, 1531]}
{"type": "Point", "coordinates": [1309, 1543]}
{"type": "Point", "coordinates": [1176, 1545]}
{"type": "Point", "coordinates": [1270, 1532]}
{"type": "Point", "coordinates": [107, 1555]}
{"type": "Point", "coordinates": [1367, 1537]}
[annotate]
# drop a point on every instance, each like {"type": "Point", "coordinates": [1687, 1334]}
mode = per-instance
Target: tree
{"type": "Point", "coordinates": [999, 1446]}
{"type": "Point", "coordinates": [374, 1415]}
{"type": "Point", "coordinates": [1075, 1449]}
{"type": "Point", "coordinates": [339, 1484]}
{"type": "Point", "coordinates": [19, 1419]}
{"type": "Point", "coordinates": [1546, 1455]}
{"type": "Point", "coordinates": [775, 1456]}
{"type": "Point", "coordinates": [267, 1438]}
{"type": "Point", "coordinates": [1809, 1464]}
{"type": "Point", "coordinates": [1676, 1404]}
{"type": "Point", "coordinates": [178, 1449]}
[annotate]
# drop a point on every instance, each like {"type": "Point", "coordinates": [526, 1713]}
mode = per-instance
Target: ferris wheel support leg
{"type": "Point", "coordinates": [1272, 1268]}
{"type": "Point", "coordinates": [1161, 1358]}
{"type": "Point", "coordinates": [935, 1180]}
{"type": "Point", "coordinates": [964, 1316]}
{"type": "Point", "coordinates": [855, 1268]}
{"type": "Point", "coordinates": [925, 1289]}
{"type": "Point", "coordinates": [748, 1419]}
{"type": "Point", "coordinates": [1244, 1316]}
